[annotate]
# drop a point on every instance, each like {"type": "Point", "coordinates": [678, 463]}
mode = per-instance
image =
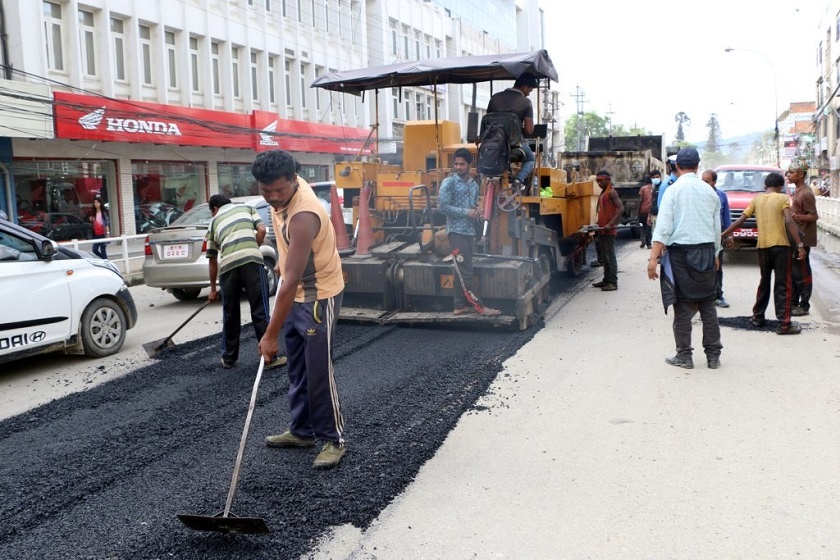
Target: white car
{"type": "Point", "coordinates": [55, 298]}
{"type": "Point", "coordinates": [323, 190]}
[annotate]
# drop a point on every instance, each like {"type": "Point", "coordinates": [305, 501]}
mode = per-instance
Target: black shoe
{"type": "Point", "coordinates": [609, 287]}
{"type": "Point", "coordinates": [685, 363]}
{"type": "Point", "coordinates": [757, 321]}
{"type": "Point", "coordinates": [792, 328]}
{"type": "Point", "coordinates": [600, 284]}
{"type": "Point", "coordinates": [226, 364]}
{"type": "Point", "coordinates": [713, 363]}
{"type": "Point", "coordinates": [596, 264]}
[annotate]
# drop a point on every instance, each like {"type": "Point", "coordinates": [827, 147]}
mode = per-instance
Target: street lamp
{"type": "Point", "coordinates": [775, 96]}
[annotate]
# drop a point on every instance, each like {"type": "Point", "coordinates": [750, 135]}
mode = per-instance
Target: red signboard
{"type": "Point", "coordinates": [303, 136]}
{"type": "Point", "coordinates": [88, 117]}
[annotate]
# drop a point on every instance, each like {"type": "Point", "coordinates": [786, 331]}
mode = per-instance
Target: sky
{"type": "Point", "coordinates": [646, 61]}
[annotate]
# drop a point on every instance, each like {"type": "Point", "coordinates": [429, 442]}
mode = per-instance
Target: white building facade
{"type": "Point", "coordinates": [162, 103]}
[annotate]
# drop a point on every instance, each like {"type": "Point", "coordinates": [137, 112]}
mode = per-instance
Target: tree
{"type": "Point", "coordinates": [682, 119]}
{"type": "Point", "coordinates": [579, 127]}
{"type": "Point", "coordinates": [712, 154]}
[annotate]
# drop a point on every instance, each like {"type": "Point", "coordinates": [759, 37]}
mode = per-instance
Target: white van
{"type": "Point", "coordinates": [54, 298]}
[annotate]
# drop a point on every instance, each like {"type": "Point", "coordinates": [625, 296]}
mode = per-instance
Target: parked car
{"type": "Point", "coordinates": [176, 255]}
{"type": "Point", "coordinates": [323, 191]}
{"type": "Point", "coordinates": [742, 183]}
{"type": "Point", "coordinates": [62, 299]}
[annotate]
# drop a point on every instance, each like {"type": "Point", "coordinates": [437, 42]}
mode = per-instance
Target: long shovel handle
{"type": "Point", "coordinates": [239, 455]}
{"type": "Point", "coordinates": [190, 318]}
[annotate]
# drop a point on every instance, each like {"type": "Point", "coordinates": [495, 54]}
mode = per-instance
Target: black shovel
{"type": "Point", "coordinates": [155, 347]}
{"type": "Point", "coordinates": [227, 522]}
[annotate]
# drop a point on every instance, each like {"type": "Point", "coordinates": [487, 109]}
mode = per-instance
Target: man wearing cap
{"type": "Point", "coordinates": [610, 210]}
{"type": "Point", "coordinates": [688, 225]}
{"type": "Point", "coordinates": [515, 100]}
{"type": "Point", "coordinates": [803, 210]}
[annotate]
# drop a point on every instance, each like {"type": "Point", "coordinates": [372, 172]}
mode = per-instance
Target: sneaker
{"type": "Point", "coordinates": [600, 284]}
{"type": "Point", "coordinates": [798, 311]}
{"type": "Point", "coordinates": [596, 263]}
{"type": "Point", "coordinates": [792, 328]}
{"type": "Point", "coordinates": [757, 321]}
{"type": "Point", "coordinates": [330, 456]}
{"type": "Point", "coordinates": [642, 246]}
{"type": "Point", "coordinates": [227, 365]}
{"type": "Point", "coordinates": [721, 302]}
{"type": "Point", "coordinates": [463, 310]}
{"type": "Point", "coordinates": [277, 362]}
{"type": "Point", "coordinates": [489, 312]}
{"type": "Point", "coordinates": [685, 363]}
{"type": "Point", "coordinates": [288, 439]}
{"type": "Point", "coordinates": [713, 363]}
{"type": "Point", "coordinates": [609, 287]}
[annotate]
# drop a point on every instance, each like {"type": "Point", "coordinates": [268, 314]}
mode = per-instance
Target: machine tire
{"type": "Point", "coordinates": [575, 264]}
{"type": "Point", "coordinates": [103, 328]}
{"type": "Point", "coordinates": [271, 277]}
{"type": "Point", "coordinates": [186, 294]}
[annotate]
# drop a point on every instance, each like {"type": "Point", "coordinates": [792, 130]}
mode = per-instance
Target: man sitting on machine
{"type": "Point", "coordinates": [515, 100]}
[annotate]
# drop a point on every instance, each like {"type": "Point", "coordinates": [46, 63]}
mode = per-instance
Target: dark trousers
{"type": "Point", "coordinates": [803, 283]}
{"type": "Point", "coordinates": [719, 277]}
{"type": "Point", "coordinates": [99, 248]}
{"type": "Point", "coordinates": [464, 245]}
{"type": "Point", "coordinates": [309, 333]}
{"type": "Point", "coordinates": [605, 245]}
{"type": "Point", "coordinates": [251, 278]}
{"type": "Point", "coordinates": [683, 313]}
{"type": "Point", "coordinates": [647, 231]}
{"type": "Point", "coordinates": [774, 261]}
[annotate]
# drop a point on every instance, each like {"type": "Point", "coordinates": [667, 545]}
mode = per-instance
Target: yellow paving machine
{"type": "Point", "coordinates": [393, 272]}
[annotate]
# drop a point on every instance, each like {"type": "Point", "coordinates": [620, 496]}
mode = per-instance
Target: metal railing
{"type": "Point", "coordinates": [125, 251]}
{"type": "Point", "coordinates": [829, 211]}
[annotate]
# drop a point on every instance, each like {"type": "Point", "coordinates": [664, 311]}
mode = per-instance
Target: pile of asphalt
{"type": "Point", "coordinates": [103, 473]}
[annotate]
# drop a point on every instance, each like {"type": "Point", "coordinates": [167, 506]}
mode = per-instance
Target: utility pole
{"type": "Point", "coordinates": [610, 113]}
{"type": "Point", "coordinates": [579, 96]}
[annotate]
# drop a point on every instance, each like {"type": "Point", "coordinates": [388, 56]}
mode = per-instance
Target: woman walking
{"type": "Point", "coordinates": [101, 227]}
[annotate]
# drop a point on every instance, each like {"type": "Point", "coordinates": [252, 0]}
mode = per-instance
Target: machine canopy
{"type": "Point", "coordinates": [432, 71]}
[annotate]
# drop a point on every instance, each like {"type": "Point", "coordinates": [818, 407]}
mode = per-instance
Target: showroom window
{"type": "Point", "coordinates": [163, 191]}
{"type": "Point", "coordinates": [55, 197]}
{"type": "Point", "coordinates": [235, 179]}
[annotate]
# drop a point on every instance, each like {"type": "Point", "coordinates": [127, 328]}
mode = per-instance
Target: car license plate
{"type": "Point", "coordinates": [176, 251]}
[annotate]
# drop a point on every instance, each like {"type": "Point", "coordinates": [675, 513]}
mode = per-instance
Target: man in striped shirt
{"type": "Point", "coordinates": [233, 249]}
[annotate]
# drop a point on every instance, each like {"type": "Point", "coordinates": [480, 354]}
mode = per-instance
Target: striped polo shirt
{"type": "Point", "coordinates": [232, 237]}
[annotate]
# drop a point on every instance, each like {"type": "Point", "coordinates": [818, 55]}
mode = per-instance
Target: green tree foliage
{"type": "Point", "coordinates": [713, 155]}
{"type": "Point", "coordinates": [578, 128]}
{"type": "Point", "coordinates": [682, 119]}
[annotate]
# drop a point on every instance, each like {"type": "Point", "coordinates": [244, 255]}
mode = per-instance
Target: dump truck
{"type": "Point", "coordinates": [627, 158]}
{"type": "Point", "coordinates": [393, 273]}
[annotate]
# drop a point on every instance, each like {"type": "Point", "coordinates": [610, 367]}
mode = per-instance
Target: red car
{"type": "Point", "coordinates": [741, 182]}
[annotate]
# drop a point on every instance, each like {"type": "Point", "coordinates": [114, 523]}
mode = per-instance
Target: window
{"type": "Point", "coordinates": [118, 33]}
{"type": "Point", "coordinates": [303, 69]}
{"type": "Point", "coordinates": [52, 33]}
{"type": "Point", "coordinates": [327, 15]}
{"type": "Point", "coordinates": [405, 42]}
{"type": "Point", "coordinates": [837, 28]}
{"type": "Point", "coordinates": [299, 12]}
{"type": "Point", "coordinates": [196, 84]}
{"type": "Point", "coordinates": [146, 53]}
{"type": "Point", "coordinates": [417, 45]}
{"type": "Point", "coordinates": [287, 81]}
{"type": "Point", "coordinates": [171, 59]}
{"type": "Point", "coordinates": [407, 104]}
{"type": "Point", "coordinates": [267, 5]}
{"type": "Point", "coordinates": [312, 11]}
{"type": "Point", "coordinates": [234, 65]}
{"type": "Point", "coordinates": [394, 38]}
{"type": "Point", "coordinates": [272, 96]}
{"type": "Point", "coordinates": [255, 92]}
{"type": "Point", "coordinates": [214, 66]}
{"type": "Point", "coordinates": [395, 96]}
{"type": "Point", "coordinates": [318, 71]}
{"type": "Point", "coordinates": [437, 48]}
{"type": "Point", "coordinates": [86, 43]}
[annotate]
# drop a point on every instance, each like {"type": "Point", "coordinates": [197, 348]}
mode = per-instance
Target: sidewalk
{"type": "Point", "coordinates": [590, 446]}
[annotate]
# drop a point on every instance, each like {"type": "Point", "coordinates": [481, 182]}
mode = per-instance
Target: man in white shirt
{"type": "Point", "coordinates": [688, 225]}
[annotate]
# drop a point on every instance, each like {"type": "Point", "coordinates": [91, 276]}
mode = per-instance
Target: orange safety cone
{"type": "Point", "coordinates": [342, 240]}
{"type": "Point", "coordinates": [364, 238]}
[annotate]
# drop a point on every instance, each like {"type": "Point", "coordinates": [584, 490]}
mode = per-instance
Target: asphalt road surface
{"type": "Point", "coordinates": [103, 473]}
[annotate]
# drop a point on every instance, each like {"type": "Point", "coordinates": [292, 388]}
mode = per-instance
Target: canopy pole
{"type": "Point", "coordinates": [437, 128]}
